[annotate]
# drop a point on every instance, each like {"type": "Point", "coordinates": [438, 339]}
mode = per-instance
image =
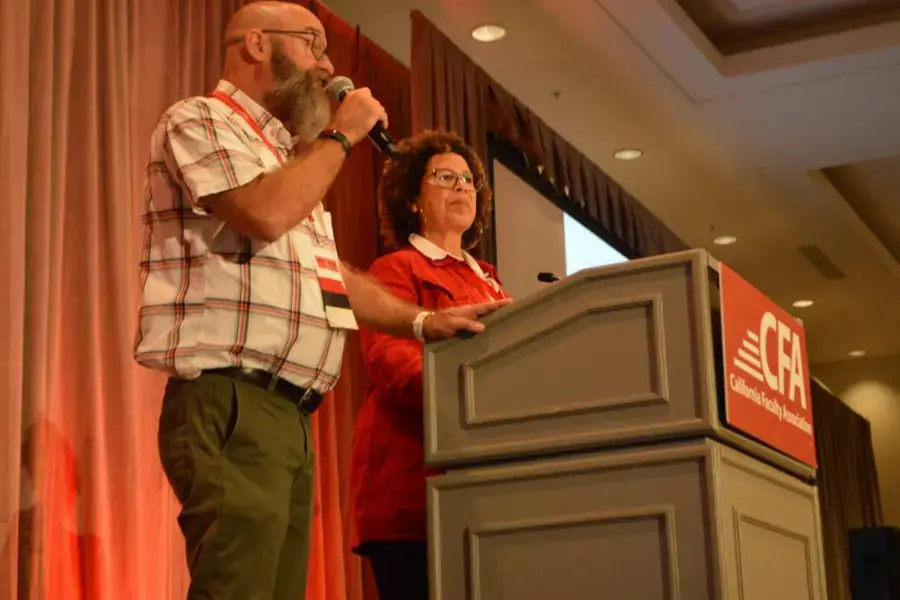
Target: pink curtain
{"type": "Point", "coordinates": [85, 512]}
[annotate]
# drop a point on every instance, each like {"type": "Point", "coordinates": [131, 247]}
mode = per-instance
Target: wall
{"type": "Point", "coordinates": [534, 235]}
{"type": "Point", "coordinates": [530, 234]}
{"type": "Point", "coordinates": [871, 387]}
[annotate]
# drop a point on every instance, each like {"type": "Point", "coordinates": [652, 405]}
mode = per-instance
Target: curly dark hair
{"type": "Point", "coordinates": [401, 183]}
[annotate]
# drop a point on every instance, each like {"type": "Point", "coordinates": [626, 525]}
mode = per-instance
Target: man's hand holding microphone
{"type": "Point", "coordinates": [360, 115]}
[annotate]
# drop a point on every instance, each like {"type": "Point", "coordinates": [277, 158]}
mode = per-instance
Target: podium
{"type": "Point", "coordinates": [598, 441]}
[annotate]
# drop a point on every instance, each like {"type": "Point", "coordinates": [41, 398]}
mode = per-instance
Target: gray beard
{"type": "Point", "coordinates": [307, 125]}
{"type": "Point", "coordinates": [298, 100]}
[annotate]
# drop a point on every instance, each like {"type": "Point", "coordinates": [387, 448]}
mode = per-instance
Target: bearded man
{"type": "Point", "coordinates": [245, 304]}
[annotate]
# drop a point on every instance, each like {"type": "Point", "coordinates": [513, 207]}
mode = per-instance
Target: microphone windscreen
{"type": "Point", "coordinates": [339, 87]}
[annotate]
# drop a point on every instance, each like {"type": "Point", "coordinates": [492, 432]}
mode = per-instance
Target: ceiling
{"type": "Point", "coordinates": [735, 26]}
{"type": "Point", "coordinates": [775, 121]}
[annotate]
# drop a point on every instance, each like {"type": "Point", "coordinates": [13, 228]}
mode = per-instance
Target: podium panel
{"type": "Point", "coordinates": [608, 355]}
{"type": "Point", "coordinates": [771, 534]}
{"type": "Point", "coordinates": [686, 520]}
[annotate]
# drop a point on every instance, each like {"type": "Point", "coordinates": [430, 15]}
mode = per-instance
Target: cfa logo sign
{"type": "Point", "coordinates": [773, 356]}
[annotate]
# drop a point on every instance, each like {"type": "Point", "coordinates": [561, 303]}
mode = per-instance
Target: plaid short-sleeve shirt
{"type": "Point", "coordinates": [210, 297]}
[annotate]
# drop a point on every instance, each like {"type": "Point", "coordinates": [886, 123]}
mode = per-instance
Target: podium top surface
{"type": "Point", "coordinates": [699, 258]}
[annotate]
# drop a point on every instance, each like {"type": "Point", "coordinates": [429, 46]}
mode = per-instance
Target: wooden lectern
{"type": "Point", "coordinates": [587, 453]}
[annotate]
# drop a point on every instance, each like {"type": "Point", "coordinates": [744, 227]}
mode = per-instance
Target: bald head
{"type": "Point", "coordinates": [257, 27]}
{"type": "Point", "coordinates": [269, 14]}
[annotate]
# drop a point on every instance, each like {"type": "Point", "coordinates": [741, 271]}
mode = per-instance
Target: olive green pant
{"type": "Point", "coordinates": [240, 461]}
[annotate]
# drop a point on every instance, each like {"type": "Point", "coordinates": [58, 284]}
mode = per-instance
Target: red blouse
{"type": "Point", "coordinates": [387, 470]}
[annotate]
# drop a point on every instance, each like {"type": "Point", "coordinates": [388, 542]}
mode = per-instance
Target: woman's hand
{"type": "Point", "coordinates": [448, 322]}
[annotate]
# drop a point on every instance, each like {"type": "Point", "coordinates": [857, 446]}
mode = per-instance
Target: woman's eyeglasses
{"type": "Point", "coordinates": [445, 178]}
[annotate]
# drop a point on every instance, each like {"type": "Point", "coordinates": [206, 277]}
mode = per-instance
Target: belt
{"type": "Point", "coordinates": [306, 399]}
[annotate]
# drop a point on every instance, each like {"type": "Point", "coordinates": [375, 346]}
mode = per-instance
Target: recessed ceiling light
{"type": "Point", "coordinates": [489, 32]}
{"type": "Point", "coordinates": [628, 153]}
{"type": "Point", "coordinates": [724, 240]}
{"type": "Point", "coordinates": [803, 303]}
{"type": "Point", "coordinates": [858, 353]}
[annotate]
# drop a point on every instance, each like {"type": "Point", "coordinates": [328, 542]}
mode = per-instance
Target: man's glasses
{"type": "Point", "coordinates": [445, 178]}
{"type": "Point", "coordinates": [313, 38]}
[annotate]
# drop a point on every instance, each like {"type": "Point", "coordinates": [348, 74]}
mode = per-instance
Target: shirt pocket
{"type": "Point", "coordinates": [437, 294]}
{"type": "Point", "coordinates": [257, 146]}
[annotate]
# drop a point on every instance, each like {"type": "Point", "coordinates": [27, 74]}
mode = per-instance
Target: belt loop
{"type": "Point", "coordinates": [273, 382]}
{"type": "Point", "coordinates": [306, 394]}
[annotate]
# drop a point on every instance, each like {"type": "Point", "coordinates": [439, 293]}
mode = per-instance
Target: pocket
{"type": "Point", "coordinates": [309, 445]}
{"type": "Point", "coordinates": [233, 421]}
{"type": "Point", "coordinates": [436, 293]}
{"type": "Point", "coordinates": [200, 421]}
{"type": "Point", "coordinates": [175, 458]}
{"type": "Point", "coordinates": [178, 434]}
{"type": "Point", "coordinates": [216, 416]}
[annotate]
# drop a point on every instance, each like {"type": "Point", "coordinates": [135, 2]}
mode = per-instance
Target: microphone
{"type": "Point", "coordinates": [547, 277]}
{"type": "Point", "coordinates": [339, 87]}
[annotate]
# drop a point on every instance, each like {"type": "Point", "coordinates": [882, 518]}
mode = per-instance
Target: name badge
{"type": "Point", "coordinates": [334, 294]}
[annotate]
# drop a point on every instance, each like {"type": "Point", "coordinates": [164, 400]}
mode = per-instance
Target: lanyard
{"type": "Point", "coordinates": [230, 103]}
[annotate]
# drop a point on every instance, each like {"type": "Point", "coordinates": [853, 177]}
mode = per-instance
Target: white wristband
{"type": "Point", "coordinates": [419, 325]}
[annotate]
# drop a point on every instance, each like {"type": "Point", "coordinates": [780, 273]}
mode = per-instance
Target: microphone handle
{"type": "Point", "coordinates": [383, 140]}
{"type": "Point", "coordinates": [378, 134]}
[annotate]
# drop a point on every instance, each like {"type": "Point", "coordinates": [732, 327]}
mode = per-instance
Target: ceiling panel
{"type": "Point", "coordinates": [872, 189]}
{"type": "Point", "coordinates": [735, 26]}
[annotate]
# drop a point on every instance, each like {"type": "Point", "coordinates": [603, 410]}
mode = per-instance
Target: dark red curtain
{"type": "Point", "coordinates": [352, 203]}
{"type": "Point", "coordinates": [847, 481]}
{"type": "Point", "coordinates": [450, 91]}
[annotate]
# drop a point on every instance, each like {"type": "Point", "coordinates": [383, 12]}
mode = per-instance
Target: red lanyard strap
{"type": "Point", "coordinates": [230, 102]}
{"type": "Point", "coordinates": [233, 105]}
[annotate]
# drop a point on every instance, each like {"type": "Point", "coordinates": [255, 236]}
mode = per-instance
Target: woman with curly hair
{"type": "Point", "coordinates": [433, 204]}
